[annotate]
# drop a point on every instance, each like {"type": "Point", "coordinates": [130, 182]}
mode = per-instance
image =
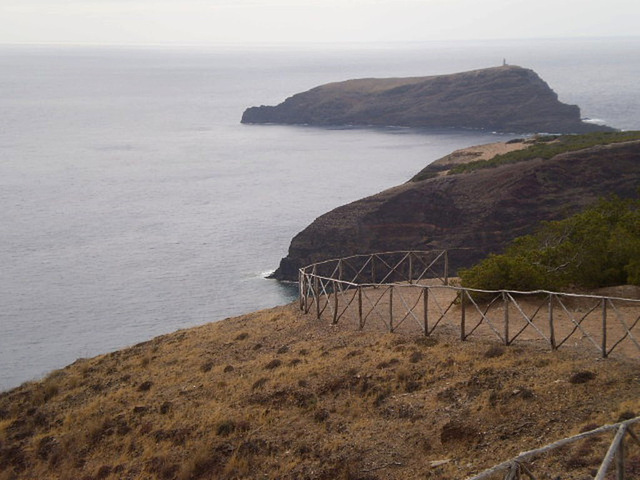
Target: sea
{"type": "Point", "coordinates": [134, 203]}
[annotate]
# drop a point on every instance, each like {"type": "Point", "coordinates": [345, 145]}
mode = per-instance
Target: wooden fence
{"type": "Point", "coordinates": [522, 466]}
{"type": "Point", "coordinates": [412, 290]}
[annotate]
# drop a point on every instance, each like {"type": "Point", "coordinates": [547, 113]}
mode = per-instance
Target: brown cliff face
{"type": "Point", "coordinates": [471, 214]}
{"type": "Point", "coordinates": [506, 99]}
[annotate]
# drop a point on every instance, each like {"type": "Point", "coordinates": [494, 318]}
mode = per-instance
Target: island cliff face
{"type": "Point", "coordinates": [471, 214]}
{"type": "Point", "coordinates": [505, 99]}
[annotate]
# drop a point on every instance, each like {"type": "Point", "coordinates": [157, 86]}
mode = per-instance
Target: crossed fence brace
{"type": "Point", "coordinates": [347, 280]}
{"type": "Point", "coordinates": [396, 287]}
{"type": "Point", "coordinates": [380, 284]}
{"type": "Point", "coordinates": [520, 466]}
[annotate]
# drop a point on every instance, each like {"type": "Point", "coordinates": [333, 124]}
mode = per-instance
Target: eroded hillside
{"type": "Point", "coordinates": [277, 394]}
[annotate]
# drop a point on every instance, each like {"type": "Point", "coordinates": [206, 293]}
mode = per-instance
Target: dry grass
{"type": "Point", "coordinates": [276, 394]}
{"type": "Point", "coordinates": [480, 152]}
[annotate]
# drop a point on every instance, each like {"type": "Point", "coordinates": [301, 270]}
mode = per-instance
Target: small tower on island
{"type": "Point", "coordinates": [504, 62]}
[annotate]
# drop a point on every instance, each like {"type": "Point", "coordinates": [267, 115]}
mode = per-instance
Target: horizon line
{"type": "Point", "coordinates": [309, 43]}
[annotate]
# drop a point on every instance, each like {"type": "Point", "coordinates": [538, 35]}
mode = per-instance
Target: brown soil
{"type": "Point", "coordinates": [478, 152]}
{"type": "Point", "coordinates": [279, 394]}
{"type": "Point", "coordinates": [577, 316]}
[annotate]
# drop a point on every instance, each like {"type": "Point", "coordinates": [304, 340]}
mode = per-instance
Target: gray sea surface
{"type": "Point", "coordinates": [133, 203]}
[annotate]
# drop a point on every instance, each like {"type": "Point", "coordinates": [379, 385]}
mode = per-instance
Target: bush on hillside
{"type": "Point", "coordinates": [596, 248]}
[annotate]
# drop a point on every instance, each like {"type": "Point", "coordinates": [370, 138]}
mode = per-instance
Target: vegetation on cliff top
{"type": "Point", "coordinates": [596, 248]}
{"type": "Point", "coordinates": [548, 146]}
{"type": "Point", "coordinates": [475, 214]}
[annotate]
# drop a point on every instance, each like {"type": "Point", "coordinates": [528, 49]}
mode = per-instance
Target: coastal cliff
{"type": "Point", "coordinates": [505, 99]}
{"type": "Point", "coordinates": [470, 214]}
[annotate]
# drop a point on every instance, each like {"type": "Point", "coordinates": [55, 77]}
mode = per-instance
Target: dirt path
{"type": "Point", "coordinates": [562, 320]}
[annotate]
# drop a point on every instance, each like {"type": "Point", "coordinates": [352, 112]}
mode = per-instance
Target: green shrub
{"type": "Point", "coordinates": [598, 247]}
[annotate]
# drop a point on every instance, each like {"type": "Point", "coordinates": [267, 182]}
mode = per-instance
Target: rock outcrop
{"type": "Point", "coordinates": [470, 214]}
{"type": "Point", "coordinates": [505, 99]}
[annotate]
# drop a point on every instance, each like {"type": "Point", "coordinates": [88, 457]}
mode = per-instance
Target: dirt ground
{"type": "Point", "coordinates": [602, 321]}
{"type": "Point", "coordinates": [279, 394]}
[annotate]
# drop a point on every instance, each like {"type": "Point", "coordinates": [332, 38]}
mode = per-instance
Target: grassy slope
{"type": "Point", "coordinates": [548, 147]}
{"type": "Point", "coordinates": [276, 394]}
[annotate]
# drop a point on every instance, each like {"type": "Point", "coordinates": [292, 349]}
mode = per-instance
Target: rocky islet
{"type": "Point", "coordinates": [503, 99]}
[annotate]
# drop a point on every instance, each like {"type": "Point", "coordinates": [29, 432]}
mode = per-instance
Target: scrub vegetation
{"type": "Point", "coordinates": [599, 247]}
{"type": "Point", "coordinates": [279, 395]}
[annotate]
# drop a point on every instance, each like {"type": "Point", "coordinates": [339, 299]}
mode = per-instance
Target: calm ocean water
{"type": "Point", "coordinates": [133, 202]}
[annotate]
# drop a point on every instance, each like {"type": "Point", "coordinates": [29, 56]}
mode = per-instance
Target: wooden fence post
{"type": "Point", "coordinates": [306, 293]}
{"type": "Point", "coordinates": [552, 331]}
{"type": "Point", "coordinates": [391, 309]}
{"type": "Point", "coordinates": [604, 327]}
{"type": "Point", "coordinates": [302, 290]}
{"type": "Point", "coordinates": [316, 289]}
{"type": "Point", "coordinates": [614, 450]}
{"type": "Point", "coordinates": [463, 319]}
{"type": "Point", "coordinates": [425, 303]}
{"type": "Point", "coordinates": [360, 319]}
{"type": "Point", "coordinates": [505, 303]}
{"type": "Point", "coordinates": [620, 461]}
{"type": "Point", "coordinates": [410, 268]}
{"type": "Point", "coordinates": [373, 269]}
{"type": "Point", "coordinates": [446, 267]}
{"type": "Point", "coordinates": [335, 303]}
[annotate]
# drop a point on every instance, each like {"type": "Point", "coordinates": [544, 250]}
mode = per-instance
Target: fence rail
{"type": "Point", "coordinates": [412, 290]}
{"type": "Point", "coordinates": [519, 467]}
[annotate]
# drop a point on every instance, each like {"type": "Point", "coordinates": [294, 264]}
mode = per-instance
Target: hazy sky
{"type": "Point", "coordinates": [276, 21]}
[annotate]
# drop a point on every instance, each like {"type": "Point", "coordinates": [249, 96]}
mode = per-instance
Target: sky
{"type": "Point", "coordinates": [202, 22]}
